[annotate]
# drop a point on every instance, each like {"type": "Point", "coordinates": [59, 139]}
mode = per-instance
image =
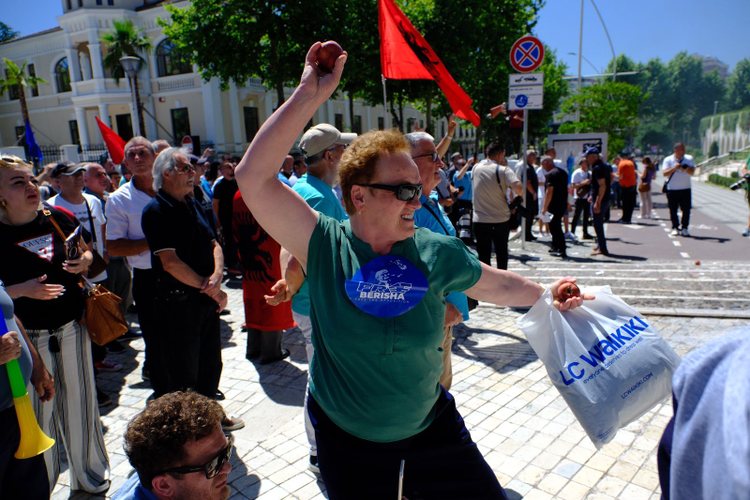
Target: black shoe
{"type": "Point", "coordinates": [225, 312]}
{"type": "Point", "coordinates": [556, 253]}
{"type": "Point", "coordinates": [219, 396]}
{"type": "Point", "coordinates": [588, 237]}
{"type": "Point", "coordinates": [146, 374]}
{"type": "Point", "coordinates": [313, 466]}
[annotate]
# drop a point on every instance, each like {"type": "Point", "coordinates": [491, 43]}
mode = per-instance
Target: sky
{"type": "Point", "coordinates": [640, 29]}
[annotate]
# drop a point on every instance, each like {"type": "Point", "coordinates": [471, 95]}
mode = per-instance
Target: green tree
{"type": "Point", "coordinates": [608, 106]}
{"type": "Point", "coordinates": [125, 39]}
{"type": "Point", "coordinates": [234, 40]}
{"type": "Point", "coordinates": [738, 86]}
{"type": "Point", "coordinates": [16, 77]}
{"type": "Point", "coordinates": [7, 33]}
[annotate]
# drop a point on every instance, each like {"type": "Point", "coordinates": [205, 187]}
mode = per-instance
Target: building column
{"type": "Point", "coordinates": [347, 114]}
{"type": "Point", "coordinates": [83, 130]}
{"type": "Point", "coordinates": [329, 112]}
{"type": "Point", "coordinates": [74, 69]}
{"type": "Point", "coordinates": [85, 61]}
{"type": "Point", "coordinates": [235, 105]}
{"type": "Point", "coordinates": [368, 117]}
{"type": "Point", "coordinates": [104, 114]}
{"type": "Point", "coordinates": [268, 104]}
{"type": "Point", "coordinates": [213, 113]}
{"type": "Point", "coordinates": [95, 53]}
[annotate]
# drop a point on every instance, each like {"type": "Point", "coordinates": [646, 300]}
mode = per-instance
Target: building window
{"type": "Point", "coordinates": [70, 6]}
{"type": "Point", "coordinates": [13, 91]}
{"type": "Point", "coordinates": [124, 126]}
{"type": "Point", "coordinates": [62, 75]}
{"type": "Point", "coordinates": [32, 73]}
{"type": "Point", "coordinates": [252, 123]}
{"type": "Point", "coordinates": [110, 2]}
{"type": "Point", "coordinates": [180, 123]}
{"type": "Point", "coordinates": [98, 2]}
{"type": "Point", "coordinates": [338, 121]}
{"type": "Point", "coordinates": [381, 123]}
{"type": "Point", "coordinates": [169, 60]}
{"type": "Point", "coordinates": [80, 3]}
{"type": "Point", "coordinates": [357, 125]}
{"type": "Point", "coordinates": [410, 124]}
{"type": "Point", "coordinates": [74, 137]}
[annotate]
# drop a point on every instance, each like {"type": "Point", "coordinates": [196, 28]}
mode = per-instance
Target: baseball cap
{"type": "Point", "coordinates": [323, 136]}
{"type": "Point", "coordinates": [66, 168]}
{"type": "Point", "coordinates": [593, 150]}
{"type": "Point", "coordinates": [456, 155]}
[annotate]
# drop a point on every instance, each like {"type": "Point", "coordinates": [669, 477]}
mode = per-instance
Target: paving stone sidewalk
{"type": "Point", "coordinates": [521, 424]}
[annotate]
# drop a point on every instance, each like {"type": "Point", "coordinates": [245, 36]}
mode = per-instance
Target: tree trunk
{"type": "Point", "coordinates": [279, 93]}
{"type": "Point", "coordinates": [139, 111]}
{"type": "Point", "coordinates": [24, 107]}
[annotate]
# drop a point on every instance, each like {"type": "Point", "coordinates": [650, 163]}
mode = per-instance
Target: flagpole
{"type": "Point", "coordinates": [385, 103]}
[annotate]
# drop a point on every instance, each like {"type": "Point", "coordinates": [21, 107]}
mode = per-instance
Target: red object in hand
{"type": "Point", "coordinates": [568, 290]}
{"type": "Point", "coordinates": [327, 55]}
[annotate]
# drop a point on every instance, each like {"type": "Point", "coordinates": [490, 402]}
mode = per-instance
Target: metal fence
{"type": "Point", "coordinates": [88, 152]}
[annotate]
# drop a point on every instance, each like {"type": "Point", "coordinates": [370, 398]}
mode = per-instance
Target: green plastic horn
{"type": "Point", "coordinates": [33, 440]}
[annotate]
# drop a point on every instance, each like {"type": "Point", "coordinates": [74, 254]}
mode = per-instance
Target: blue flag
{"type": "Point", "coordinates": [34, 150]}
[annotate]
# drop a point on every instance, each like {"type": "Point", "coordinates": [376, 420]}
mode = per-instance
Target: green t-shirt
{"type": "Point", "coordinates": [377, 378]}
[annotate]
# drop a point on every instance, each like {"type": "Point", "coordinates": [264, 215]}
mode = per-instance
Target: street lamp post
{"type": "Point", "coordinates": [130, 65]}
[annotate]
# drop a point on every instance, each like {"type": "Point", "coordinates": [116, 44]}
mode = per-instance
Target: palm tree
{"type": "Point", "coordinates": [16, 77]}
{"type": "Point", "coordinates": [125, 40]}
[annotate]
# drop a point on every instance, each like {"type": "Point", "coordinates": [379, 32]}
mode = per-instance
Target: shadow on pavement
{"type": "Point", "coordinates": [510, 353]}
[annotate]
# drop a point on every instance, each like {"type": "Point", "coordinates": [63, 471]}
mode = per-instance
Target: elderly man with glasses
{"type": "Point", "coordinates": [178, 450]}
{"type": "Point", "coordinates": [189, 266]}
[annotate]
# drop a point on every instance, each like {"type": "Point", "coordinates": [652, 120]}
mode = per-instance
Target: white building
{"type": "Point", "coordinates": [176, 101]}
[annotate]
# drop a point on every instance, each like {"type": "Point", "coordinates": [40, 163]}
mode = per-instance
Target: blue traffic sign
{"type": "Point", "coordinates": [522, 100]}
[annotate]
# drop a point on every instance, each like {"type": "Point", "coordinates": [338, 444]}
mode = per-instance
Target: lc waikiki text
{"type": "Point", "coordinates": [603, 349]}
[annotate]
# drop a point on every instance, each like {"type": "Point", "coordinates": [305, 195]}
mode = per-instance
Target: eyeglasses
{"type": "Point", "coordinates": [138, 152]}
{"type": "Point", "coordinates": [404, 192]}
{"type": "Point", "coordinates": [433, 156]}
{"type": "Point", "coordinates": [211, 468]}
{"type": "Point", "coordinates": [184, 167]}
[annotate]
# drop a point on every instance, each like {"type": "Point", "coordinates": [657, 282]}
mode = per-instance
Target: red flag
{"type": "Point", "coordinates": [115, 144]}
{"type": "Point", "coordinates": [406, 55]}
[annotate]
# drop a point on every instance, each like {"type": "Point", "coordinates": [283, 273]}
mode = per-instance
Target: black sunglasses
{"type": "Point", "coordinates": [211, 468]}
{"type": "Point", "coordinates": [184, 167]}
{"type": "Point", "coordinates": [433, 156]}
{"type": "Point", "coordinates": [404, 192]}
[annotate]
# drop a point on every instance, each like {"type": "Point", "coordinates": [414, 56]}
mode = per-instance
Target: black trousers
{"type": "Point", "coordinates": [144, 294]}
{"type": "Point", "coordinates": [489, 234]}
{"type": "Point", "coordinates": [558, 237]}
{"type": "Point", "coordinates": [601, 238]}
{"type": "Point", "coordinates": [19, 478]}
{"type": "Point", "coordinates": [629, 195]}
{"type": "Point", "coordinates": [191, 341]}
{"type": "Point", "coordinates": [441, 462]}
{"type": "Point", "coordinates": [582, 209]}
{"type": "Point", "coordinates": [679, 199]}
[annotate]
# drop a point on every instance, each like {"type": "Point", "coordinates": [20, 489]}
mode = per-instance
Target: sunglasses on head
{"type": "Point", "coordinates": [211, 468]}
{"type": "Point", "coordinates": [433, 156]}
{"type": "Point", "coordinates": [404, 192]}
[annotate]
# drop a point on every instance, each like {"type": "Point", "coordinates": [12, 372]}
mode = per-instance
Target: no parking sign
{"type": "Point", "coordinates": [526, 54]}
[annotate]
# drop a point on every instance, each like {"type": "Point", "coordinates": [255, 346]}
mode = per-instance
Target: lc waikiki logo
{"type": "Point", "coordinates": [604, 352]}
{"type": "Point", "coordinates": [387, 286]}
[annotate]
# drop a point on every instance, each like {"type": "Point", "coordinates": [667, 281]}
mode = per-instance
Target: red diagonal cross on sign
{"type": "Point", "coordinates": [524, 47]}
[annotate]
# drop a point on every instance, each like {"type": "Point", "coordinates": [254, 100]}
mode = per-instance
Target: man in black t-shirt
{"type": "Point", "coordinates": [601, 180]}
{"type": "Point", "coordinates": [224, 190]}
{"type": "Point", "coordinates": [556, 203]}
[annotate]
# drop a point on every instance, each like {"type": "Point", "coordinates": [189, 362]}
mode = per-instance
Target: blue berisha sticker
{"type": "Point", "coordinates": [387, 286]}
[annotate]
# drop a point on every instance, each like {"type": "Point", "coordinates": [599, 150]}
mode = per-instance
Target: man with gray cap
{"type": "Point", "coordinates": [323, 146]}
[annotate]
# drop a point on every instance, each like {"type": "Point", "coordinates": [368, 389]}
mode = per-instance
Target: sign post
{"type": "Point", "coordinates": [526, 91]}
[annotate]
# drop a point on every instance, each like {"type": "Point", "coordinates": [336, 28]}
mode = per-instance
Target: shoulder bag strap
{"type": "Point", "coordinates": [91, 221]}
{"type": "Point", "coordinates": [437, 218]}
{"type": "Point", "coordinates": [48, 213]}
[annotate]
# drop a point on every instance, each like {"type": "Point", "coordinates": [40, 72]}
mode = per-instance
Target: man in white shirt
{"type": "Point", "coordinates": [125, 238]}
{"type": "Point", "coordinates": [678, 168]}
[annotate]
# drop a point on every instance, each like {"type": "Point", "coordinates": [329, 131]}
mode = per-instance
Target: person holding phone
{"type": "Point", "coordinates": [44, 284]}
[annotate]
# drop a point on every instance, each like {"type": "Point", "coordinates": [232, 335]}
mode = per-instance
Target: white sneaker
{"type": "Point", "coordinates": [685, 232]}
{"type": "Point", "coordinates": [675, 232]}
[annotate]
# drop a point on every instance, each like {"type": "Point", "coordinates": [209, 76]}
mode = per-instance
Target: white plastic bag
{"type": "Point", "coordinates": [608, 362]}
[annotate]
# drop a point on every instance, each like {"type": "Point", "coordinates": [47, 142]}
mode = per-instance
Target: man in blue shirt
{"type": "Point", "coordinates": [431, 216]}
{"type": "Point", "coordinates": [178, 450]}
{"type": "Point", "coordinates": [323, 145]}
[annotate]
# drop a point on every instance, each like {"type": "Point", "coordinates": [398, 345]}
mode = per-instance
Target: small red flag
{"type": "Point", "coordinates": [406, 55]}
{"type": "Point", "coordinates": [115, 144]}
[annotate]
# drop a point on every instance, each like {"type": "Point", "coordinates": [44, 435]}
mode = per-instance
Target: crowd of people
{"type": "Point", "coordinates": [368, 258]}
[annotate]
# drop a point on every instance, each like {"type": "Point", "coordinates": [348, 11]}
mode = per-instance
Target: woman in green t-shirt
{"type": "Point", "coordinates": [377, 288]}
